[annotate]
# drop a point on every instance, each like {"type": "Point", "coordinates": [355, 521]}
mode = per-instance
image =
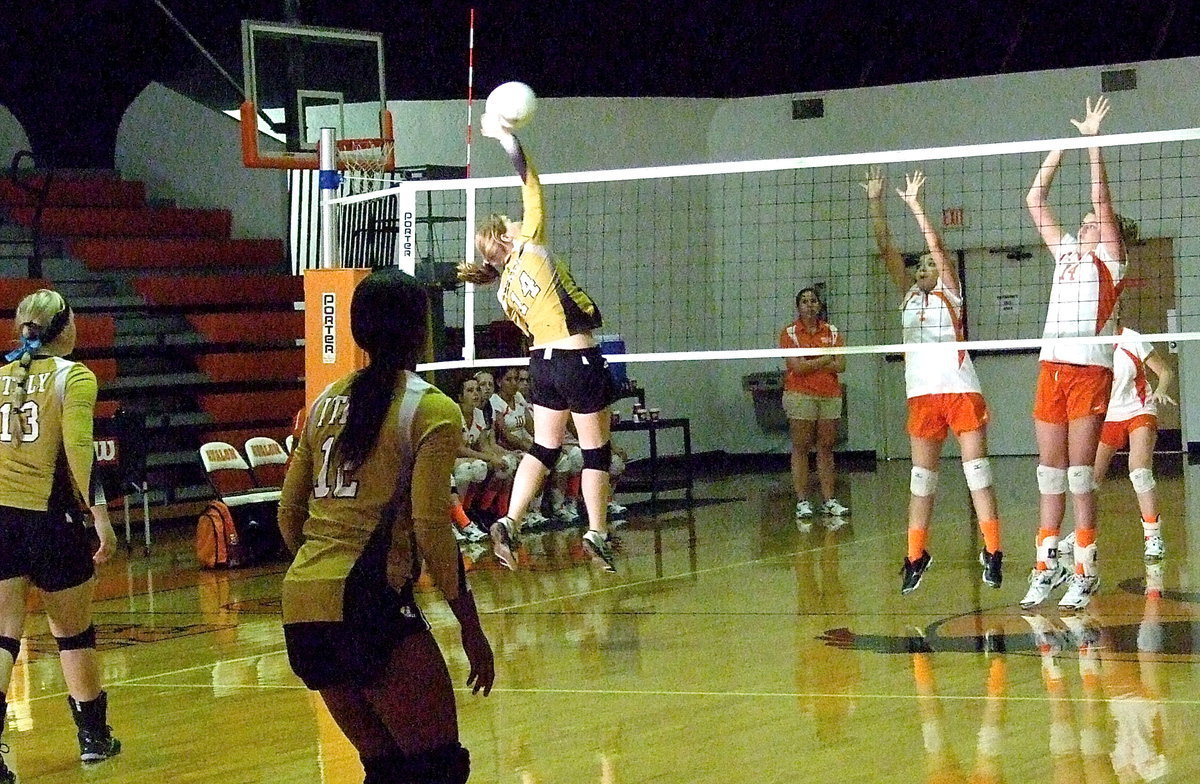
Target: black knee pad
{"type": "Point", "coordinates": [598, 459]}
{"type": "Point", "coordinates": [379, 769]}
{"type": "Point", "coordinates": [545, 455]}
{"type": "Point", "coordinates": [76, 642]}
{"type": "Point", "coordinates": [449, 764]}
{"type": "Point", "coordinates": [10, 645]}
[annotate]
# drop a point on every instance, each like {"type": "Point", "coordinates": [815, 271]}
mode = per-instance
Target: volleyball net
{"type": "Point", "coordinates": [704, 261]}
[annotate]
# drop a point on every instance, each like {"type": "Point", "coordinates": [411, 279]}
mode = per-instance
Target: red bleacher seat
{"type": "Point", "coordinates": [276, 365]}
{"type": "Point", "coordinates": [210, 290]}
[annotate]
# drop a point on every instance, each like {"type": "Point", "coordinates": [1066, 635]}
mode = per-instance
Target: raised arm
{"type": "Point", "coordinates": [533, 208]}
{"type": "Point", "coordinates": [892, 259]}
{"type": "Point", "coordinates": [1106, 216]}
{"type": "Point", "coordinates": [1039, 208]}
{"type": "Point", "coordinates": [911, 194]}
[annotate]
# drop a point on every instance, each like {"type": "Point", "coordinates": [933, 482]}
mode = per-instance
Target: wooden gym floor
{"type": "Point", "coordinates": [730, 648]}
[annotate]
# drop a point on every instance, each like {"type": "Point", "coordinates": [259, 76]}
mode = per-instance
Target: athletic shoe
{"type": "Point", "coordinates": [1156, 548]}
{"type": "Point", "coordinates": [98, 746]}
{"type": "Point", "coordinates": [600, 547]}
{"type": "Point", "coordinates": [992, 571]}
{"type": "Point", "coordinates": [1041, 583]}
{"type": "Point", "coordinates": [913, 571]}
{"type": "Point", "coordinates": [504, 543]}
{"type": "Point", "coordinates": [616, 511]}
{"type": "Point", "coordinates": [6, 775]}
{"type": "Point", "coordinates": [459, 536]}
{"type": "Point", "coordinates": [834, 508]}
{"type": "Point", "coordinates": [1066, 552]}
{"type": "Point", "coordinates": [96, 742]}
{"type": "Point", "coordinates": [1079, 592]}
{"type": "Point", "coordinates": [804, 510]}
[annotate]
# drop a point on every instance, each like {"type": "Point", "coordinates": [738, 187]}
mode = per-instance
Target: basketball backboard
{"type": "Point", "coordinates": [299, 79]}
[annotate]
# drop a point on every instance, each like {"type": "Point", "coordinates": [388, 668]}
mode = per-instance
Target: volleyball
{"type": "Point", "coordinates": [512, 102]}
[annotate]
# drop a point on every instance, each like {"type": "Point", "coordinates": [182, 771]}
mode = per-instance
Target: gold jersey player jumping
{"type": "Point", "coordinates": [569, 377]}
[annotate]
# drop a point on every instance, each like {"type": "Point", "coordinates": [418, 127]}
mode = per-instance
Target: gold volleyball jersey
{"type": "Point", "coordinates": [536, 291]}
{"type": "Point", "coordinates": [46, 441]}
{"type": "Point", "coordinates": [333, 508]}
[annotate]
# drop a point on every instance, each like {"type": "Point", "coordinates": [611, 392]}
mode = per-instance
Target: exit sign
{"type": "Point", "coordinates": [953, 218]}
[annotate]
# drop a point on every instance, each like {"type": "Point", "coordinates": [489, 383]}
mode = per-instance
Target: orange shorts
{"type": "Point", "coordinates": [930, 415]}
{"type": "Point", "coordinates": [1068, 392]}
{"type": "Point", "coordinates": [1116, 434]}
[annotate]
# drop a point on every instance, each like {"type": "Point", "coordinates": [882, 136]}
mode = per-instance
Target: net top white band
{"type": "Point", "coordinates": [777, 164]}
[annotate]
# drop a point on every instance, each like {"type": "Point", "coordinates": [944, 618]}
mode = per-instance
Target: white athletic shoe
{"type": "Point", "coordinates": [834, 508]}
{"type": "Point", "coordinates": [1041, 583]}
{"type": "Point", "coordinates": [616, 510]}
{"type": "Point", "coordinates": [1079, 592]}
{"type": "Point", "coordinates": [804, 510]}
{"type": "Point", "coordinates": [1156, 548]}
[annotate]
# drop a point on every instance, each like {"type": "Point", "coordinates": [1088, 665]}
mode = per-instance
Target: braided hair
{"type": "Point", "coordinates": [41, 318]}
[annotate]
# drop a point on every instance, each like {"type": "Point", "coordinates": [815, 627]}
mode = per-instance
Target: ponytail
{"type": "Point", "coordinates": [388, 315]}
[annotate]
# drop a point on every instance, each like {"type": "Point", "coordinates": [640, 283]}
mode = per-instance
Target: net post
{"type": "Point", "coordinates": [329, 181]}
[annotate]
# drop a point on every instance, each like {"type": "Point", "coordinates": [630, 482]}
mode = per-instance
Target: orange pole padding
{"type": "Point", "coordinates": [329, 350]}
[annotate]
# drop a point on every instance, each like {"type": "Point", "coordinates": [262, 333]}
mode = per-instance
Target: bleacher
{"type": "Point", "coordinates": [194, 329]}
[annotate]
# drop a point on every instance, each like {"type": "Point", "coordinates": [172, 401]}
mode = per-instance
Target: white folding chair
{"type": "Point", "coordinates": [230, 477]}
{"type": "Point", "coordinates": [268, 461]}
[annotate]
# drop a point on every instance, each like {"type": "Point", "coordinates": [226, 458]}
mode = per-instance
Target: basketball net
{"type": "Point", "coordinates": [365, 162]}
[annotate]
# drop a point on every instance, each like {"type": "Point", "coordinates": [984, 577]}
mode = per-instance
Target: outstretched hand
{"type": "Point", "coordinates": [1090, 125]}
{"type": "Point", "coordinates": [1159, 396]}
{"type": "Point", "coordinates": [874, 183]}
{"type": "Point", "coordinates": [494, 127]}
{"type": "Point", "coordinates": [912, 187]}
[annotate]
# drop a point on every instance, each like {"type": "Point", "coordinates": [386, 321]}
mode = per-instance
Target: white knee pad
{"type": "Point", "coordinates": [468, 471]}
{"type": "Point", "coordinates": [1051, 481]}
{"type": "Point", "coordinates": [1142, 479]}
{"type": "Point", "coordinates": [1080, 480]}
{"type": "Point", "coordinates": [923, 482]}
{"type": "Point", "coordinates": [978, 473]}
{"type": "Point", "coordinates": [616, 466]}
{"type": "Point", "coordinates": [570, 461]}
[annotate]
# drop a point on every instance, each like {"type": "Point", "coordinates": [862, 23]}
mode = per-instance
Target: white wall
{"type": "Point", "coordinates": [675, 266]}
{"type": "Point", "coordinates": [192, 155]}
{"type": "Point", "coordinates": [12, 136]}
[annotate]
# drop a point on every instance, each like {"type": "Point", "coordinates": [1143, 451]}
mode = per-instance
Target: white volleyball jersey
{"type": "Point", "coordinates": [473, 430]}
{"type": "Point", "coordinates": [1131, 388]}
{"type": "Point", "coordinates": [512, 418]}
{"type": "Point", "coordinates": [935, 317]}
{"type": "Point", "coordinates": [1082, 301]}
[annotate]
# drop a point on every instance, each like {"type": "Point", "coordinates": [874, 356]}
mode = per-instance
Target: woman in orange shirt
{"type": "Point", "coordinates": [812, 400]}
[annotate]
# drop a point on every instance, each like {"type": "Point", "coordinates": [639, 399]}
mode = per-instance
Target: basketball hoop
{"type": "Point", "coordinates": [365, 161]}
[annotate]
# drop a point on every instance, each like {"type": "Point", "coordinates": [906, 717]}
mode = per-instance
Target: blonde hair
{"type": "Point", "coordinates": [490, 242]}
{"type": "Point", "coordinates": [39, 317]}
